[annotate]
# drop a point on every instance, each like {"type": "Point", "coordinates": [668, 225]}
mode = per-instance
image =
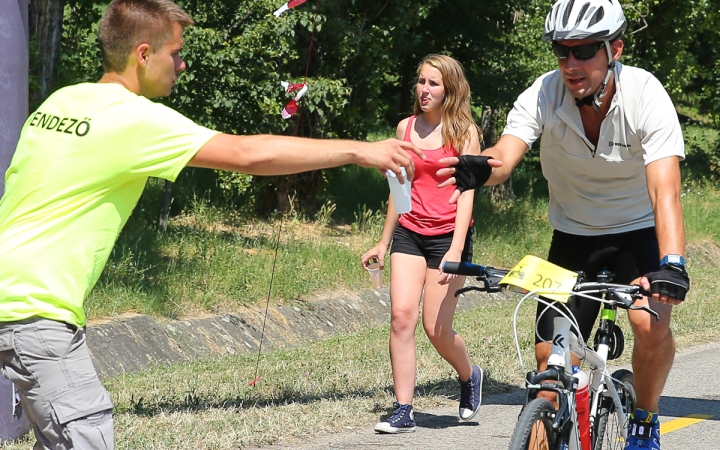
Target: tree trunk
{"type": "Point", "coordinates": [503, 191]}
{"type": "Point", "coordinates": [14, 39]}
{"type": "Point", "coordinates": [46, 21]}
{"type": "Point", "coordinates": [165, 205]}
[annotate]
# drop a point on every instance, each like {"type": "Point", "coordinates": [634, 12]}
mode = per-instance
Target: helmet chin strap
{"type": "Point", "coordinates": [594, 99]}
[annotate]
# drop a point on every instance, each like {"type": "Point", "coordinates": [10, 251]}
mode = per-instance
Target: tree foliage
{"type": "Point", "coordinates": [359, 59]}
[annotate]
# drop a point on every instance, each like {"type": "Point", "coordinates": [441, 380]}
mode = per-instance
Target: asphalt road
{"type": "Point", "coordinates": [690, 416]}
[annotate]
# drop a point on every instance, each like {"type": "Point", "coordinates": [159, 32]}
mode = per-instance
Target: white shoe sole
{"type": "Point", "coordinates": [386, 428]}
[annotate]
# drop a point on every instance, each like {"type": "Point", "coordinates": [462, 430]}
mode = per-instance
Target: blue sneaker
{"type": "Point", "coordinates": [643, 431]}
{"type": "Point", "coordinates": [402, 421]}
{"type": "Point", "coordinates": [471, 394]}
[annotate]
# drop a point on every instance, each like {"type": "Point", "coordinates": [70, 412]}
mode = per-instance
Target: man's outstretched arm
{"type": "Point", "coordinates": [279, 155]}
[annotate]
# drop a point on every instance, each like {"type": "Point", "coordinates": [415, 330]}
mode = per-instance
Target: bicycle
{"type": "Point", "coordinates": [611, 397]}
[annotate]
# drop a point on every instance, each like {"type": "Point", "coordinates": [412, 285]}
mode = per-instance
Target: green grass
{"type": "Point", "coordinates": [700, 207]}
{"type": "Point", "coordinates": [212, 260]}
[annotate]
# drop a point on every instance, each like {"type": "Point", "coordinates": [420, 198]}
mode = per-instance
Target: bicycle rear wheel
{"type": "Point", "coordinates": [607, 430]}
{"type": "Point", "coordinates": [534, 429]}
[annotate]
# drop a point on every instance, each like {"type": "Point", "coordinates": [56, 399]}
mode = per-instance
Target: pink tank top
{"type": "Point", "coordinates": [431, 213]}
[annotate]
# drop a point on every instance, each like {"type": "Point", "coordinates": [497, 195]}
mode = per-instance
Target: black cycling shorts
{"type": "Point", "coordinates": [628, 255]}
{"type": "Point", "coordinates": [432, 248]}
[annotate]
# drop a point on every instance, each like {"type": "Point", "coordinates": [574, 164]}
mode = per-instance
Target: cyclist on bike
{"type": "Point", "coordinates": [610, 150]}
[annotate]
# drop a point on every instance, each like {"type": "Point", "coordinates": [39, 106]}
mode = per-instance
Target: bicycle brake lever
{"type": "Point", "coordinates": [465, 289]}
{"type": "Point", "coordinates": [643, 293]}
{"type": "Point", "coordinates": [645, 308]}
{"type": "Point", "coordinates": [490, 280]}
{"type": "Point", "coordinates": [488, 286]}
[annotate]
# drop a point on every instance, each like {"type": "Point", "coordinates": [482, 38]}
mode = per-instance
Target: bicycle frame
{"type": "Point", "coordinates": [565, 343]}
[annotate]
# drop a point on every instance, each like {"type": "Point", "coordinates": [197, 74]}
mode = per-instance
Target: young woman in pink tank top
{"type": "Point", "coordinates": [434, 231]}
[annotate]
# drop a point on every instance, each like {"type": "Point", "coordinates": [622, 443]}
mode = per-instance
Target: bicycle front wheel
{"type": "Point", "coordinates": [607, 430]}
{"type": "Point", "coordinates": [534, 429]}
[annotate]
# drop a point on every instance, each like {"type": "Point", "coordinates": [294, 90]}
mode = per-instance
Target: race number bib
{"type": "Point", "coordinates": [536, 274]}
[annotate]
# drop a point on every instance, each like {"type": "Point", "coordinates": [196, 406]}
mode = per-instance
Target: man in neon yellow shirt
{"type": "Point", "coordinates": [80, 166]}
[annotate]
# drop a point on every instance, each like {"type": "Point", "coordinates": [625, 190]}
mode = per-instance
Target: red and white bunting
{"type": "Point", "coordinates": [291, 87]}
{"type": "Point", "coordinates": [291, 108]}
{"type": "Point", "coordinates": [288, 5]}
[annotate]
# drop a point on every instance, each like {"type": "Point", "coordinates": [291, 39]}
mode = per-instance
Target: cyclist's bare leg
{"type": "Point", "coordinates": [542, 353]}
{"type": "Point", "coordinates": [653, 353]}
{"type": "Point", "coordinates": [438, 313]}
{"type": "Point", "coordinates": [406, 286]}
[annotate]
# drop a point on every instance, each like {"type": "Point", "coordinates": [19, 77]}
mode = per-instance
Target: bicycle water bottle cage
{"type": "Point", "coordinates": [615, 341]}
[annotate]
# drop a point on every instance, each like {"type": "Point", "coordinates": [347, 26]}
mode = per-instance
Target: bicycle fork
{"type": "Point", "coordinates": [609, 344]}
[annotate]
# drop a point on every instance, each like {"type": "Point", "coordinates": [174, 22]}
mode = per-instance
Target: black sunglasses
{"type": "Point", "coordinates": [580, 52]}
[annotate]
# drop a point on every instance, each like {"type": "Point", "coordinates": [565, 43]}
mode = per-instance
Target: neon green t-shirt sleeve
{"type": "Point", "coordinates": [161, 141]}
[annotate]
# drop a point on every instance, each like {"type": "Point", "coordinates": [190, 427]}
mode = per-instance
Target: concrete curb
{"type": "Point", "coordinates": [134, 343]}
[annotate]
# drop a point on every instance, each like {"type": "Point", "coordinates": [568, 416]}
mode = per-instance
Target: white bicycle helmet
{"type": "Point", "coordinates": [602, 20]}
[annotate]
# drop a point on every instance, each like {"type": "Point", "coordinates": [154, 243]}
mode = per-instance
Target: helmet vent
{"type": "Point", "coordinates": [599, 14]}
{"type": "Point", "coordinates": [582, 13]}
{"type": "Point", "coordinates": [589, 12]}
{"type": "Point", "coordinates": [566, 15]}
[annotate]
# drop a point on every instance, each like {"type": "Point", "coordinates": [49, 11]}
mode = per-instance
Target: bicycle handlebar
{"type": "Point", "coordinates": [463, 268]}
{"type": "Point", "coordinates": [490, 276]}
{"type": "Point", "coordinates": [624, 295]}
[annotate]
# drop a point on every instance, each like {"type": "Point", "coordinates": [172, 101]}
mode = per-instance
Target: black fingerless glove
{"type": "Point", "coordinates": [671, 280]}
{"type": "Point", "coordinates": [472, 172]}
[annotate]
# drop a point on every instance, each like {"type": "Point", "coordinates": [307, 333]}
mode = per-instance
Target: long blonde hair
{"type": "Point", "coordinates": [456, 113]}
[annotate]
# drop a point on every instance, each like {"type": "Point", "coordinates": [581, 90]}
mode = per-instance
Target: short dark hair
{"type": "Point", "coordinates": [129, 23]}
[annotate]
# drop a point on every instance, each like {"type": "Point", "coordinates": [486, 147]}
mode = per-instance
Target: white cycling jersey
{"type": "Point", "coordinates": [599, 190]}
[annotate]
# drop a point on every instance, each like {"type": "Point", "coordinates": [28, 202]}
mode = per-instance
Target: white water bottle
{"type": "Point", "coordinates": [400, 192]}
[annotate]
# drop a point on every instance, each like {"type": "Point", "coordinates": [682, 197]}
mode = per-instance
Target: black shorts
{"type": "Point", "coordinates": [627, 255]}
{"type": "Point", "coordinates": [432, 248]}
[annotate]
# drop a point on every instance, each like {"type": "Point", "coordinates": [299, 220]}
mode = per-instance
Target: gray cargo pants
{"type": "Point", "coordinates": [59, 388]}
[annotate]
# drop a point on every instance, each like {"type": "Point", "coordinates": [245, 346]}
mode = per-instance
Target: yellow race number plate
{"type": "Point", "coordinates": [536, 274]}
